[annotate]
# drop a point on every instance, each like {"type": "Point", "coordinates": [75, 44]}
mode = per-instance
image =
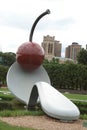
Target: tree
{"type": "Point", "coordinates": [7, 58]}
{"type": "Point", "coordinates": [69, 62]}
{"type": "Point", "coordinates": [45, 61]}
{"type": "Point", "coordinates": [82, 56]}
{"type": "Point", "coordinates": [3, 73]}
{"type": "Point", "coordinates": [54, 61]}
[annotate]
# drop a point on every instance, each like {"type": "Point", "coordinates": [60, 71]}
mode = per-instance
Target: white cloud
{"type": "Point", "coordinates": [67, 22]}
{"type": "Point", "coordinates": [12, 38]}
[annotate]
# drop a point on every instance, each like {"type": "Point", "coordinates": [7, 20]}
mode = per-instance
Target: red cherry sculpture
{"type": "Point", "coordinates": [31, 55]}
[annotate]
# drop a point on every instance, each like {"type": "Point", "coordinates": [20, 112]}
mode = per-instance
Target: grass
{"type": "Point", "coordinates": [76, 96]}
{"type": "Point", "coordinates": [68, 95]}
{"type": "Point", "coordinates": [6, 96]}
{"type": "Point", "coordinates": [19, 111]}
{"type": "Point", "coordinates": [4, 89]}
{"type": "Point", "coordinates": [13, 113]}
{"type": "Point", "coordinates": [84, 116]}
{"type": "Point", "coordinates": [85, 124]}
{"type": "Point", "coordinates": [81, 98]}
{"type": "Point", "coordinates": [5, 126]}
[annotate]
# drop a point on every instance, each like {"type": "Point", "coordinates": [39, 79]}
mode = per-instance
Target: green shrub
{"type": "Point", "coordinates": [5, 105]}
{"type": "Point", "coordinates": [16, 104]}
{"type": "Point", "coordinates": [6, 97]}
{"type": "Point", "coordinates": [83, 116]}
{"type": "Point", "coordinates": [83, 110]}
{"type": "Point", "coordinates": [82, 106]}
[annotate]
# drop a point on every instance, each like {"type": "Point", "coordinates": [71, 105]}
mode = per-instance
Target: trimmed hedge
{"type": "Point", "coordinates": [5, 105]}
{"type": "Point", "coordinates": [82, 106]}
{"type": "Point", "coordinates": [67, 76]}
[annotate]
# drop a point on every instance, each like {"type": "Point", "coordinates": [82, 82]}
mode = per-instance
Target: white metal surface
{"type": "Point", "coordinates": [56, 104]}
{"type": "Point", "coordinates": [20, 82]}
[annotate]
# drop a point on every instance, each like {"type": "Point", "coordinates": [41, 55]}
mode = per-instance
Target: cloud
{"type": "Point", "coordinates": [12, 38]}
{"type": "Point", "coordinates": [61, 24]}
{"type": "Point", "coordinates": [67, 21]}
{"type": "Point", "coordinates": [15, 20]}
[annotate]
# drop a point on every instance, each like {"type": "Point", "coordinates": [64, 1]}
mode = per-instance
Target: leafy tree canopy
{"type": "Point", "coordinates": [7, 58]}
{"type": "Point", "coordinates": [82, 56]}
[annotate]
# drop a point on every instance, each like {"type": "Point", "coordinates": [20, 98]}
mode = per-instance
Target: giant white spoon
{"type": "Point", "coordinates": [20, 82]}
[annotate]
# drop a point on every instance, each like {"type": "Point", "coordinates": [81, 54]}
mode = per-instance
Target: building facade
{"type": "Point", "coordinates": [72, 51]}
{"type": "Point", "coordinates": [51, 47]}
{"type": "Point", "coordinates": [86, 46]}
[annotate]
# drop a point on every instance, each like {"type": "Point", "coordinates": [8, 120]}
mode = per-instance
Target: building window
{"type": "Point", "coordinates": [50, 48]}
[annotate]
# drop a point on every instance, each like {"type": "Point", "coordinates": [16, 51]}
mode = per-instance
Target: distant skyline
{"type": "Point", "coordinates": [0, 48]}
{"type": "Point", "coordinates": [67, 22]}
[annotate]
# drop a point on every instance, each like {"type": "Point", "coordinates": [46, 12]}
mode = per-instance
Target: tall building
{"type": "Point", "coordinates": [72, 51]}
{"type": "Point", "coordinates": [51, 47]}
{"type": "Point", "coordinates": [86, 46]}
{"type": "Point", "coordinates": [0, 49]}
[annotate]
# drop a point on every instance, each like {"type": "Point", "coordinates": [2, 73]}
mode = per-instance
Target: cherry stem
{"type": "Point", "coordinates": [36, 21]}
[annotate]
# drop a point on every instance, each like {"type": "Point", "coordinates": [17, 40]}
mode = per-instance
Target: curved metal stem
{"type": "Point", "coordinates": [36, 21]}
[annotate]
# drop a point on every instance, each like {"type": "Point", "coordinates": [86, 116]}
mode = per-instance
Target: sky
{"type": "Point", "coordinates": [67, 22]}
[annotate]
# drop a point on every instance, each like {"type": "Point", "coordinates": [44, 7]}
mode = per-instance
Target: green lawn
{"type": "Point", "coordinates": [76, 96]}
{"type": "Point", "coordinates": [68, 95]}
{"type": "Point", "coordinates": [8, 113]}
{"type": "Point", "coordinates": [3, 89]}
{"type": "Point", "coordinates": [5, 126]}
{"type": "Point", "coordinates": [6, 96]}
{"type": "Point", "coordinates": [19, 110]}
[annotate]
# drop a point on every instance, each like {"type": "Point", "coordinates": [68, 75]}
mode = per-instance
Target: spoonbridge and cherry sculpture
{"type": "Point", "coordinates": [28, 81]}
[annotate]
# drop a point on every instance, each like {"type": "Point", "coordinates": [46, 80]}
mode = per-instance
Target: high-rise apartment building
{"type": "Point", "coordinates": [51, 47]}
{"type": "Point", "coordinates": [0, 49]}
{"type": "Point", "coordinates": [72, 51]}
{"type": "Point", "coordinates": [86, 46]}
